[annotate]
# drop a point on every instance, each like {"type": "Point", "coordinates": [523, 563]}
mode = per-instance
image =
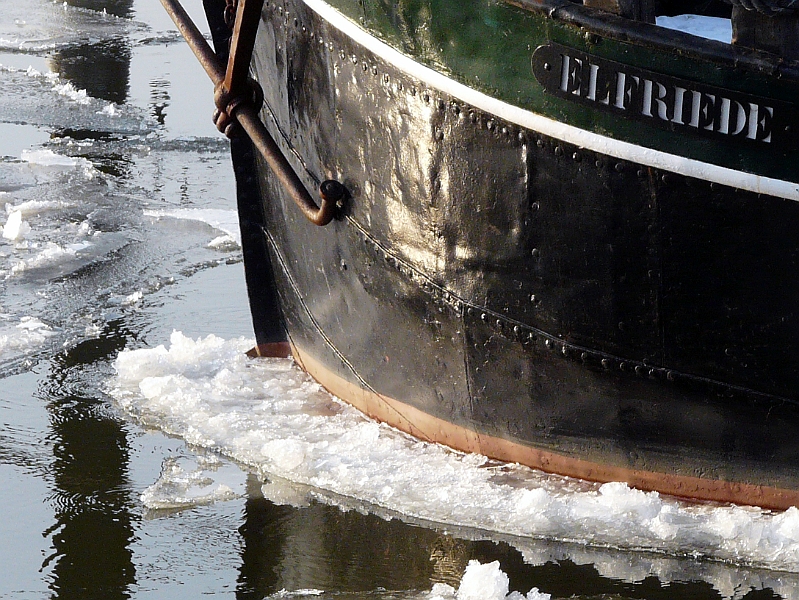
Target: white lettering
{"type": "Point", "coordinates": [564, 72]}
{"type": "Point", "coordinates": [679, 93]}
{"type": "Point", "coordinates": [621, 78]}
{"type": "Point", "coordinates": [592, 82]}
{"type": "Point", "coordinates": [696, 100]}
{"type": "Point", "coordinates": [650, 98]}
{"type": "Point", "coordinates": [662, 109]}
{"type": "Point", "coordinates": [752, 131]}
{"type": "Point", "coordinates": [724, 116]}
{"type": "Point", "coordinates": [646, 108]}
{"type": "Point", "coordinates": [707, 111]}
{"type": "Point", "coordinates": [740, 118]}
{"type": "Point", "coordinates": [764, 123]}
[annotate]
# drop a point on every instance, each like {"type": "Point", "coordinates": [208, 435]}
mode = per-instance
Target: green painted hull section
{"type": "Point", "coordinates": [489, 46]}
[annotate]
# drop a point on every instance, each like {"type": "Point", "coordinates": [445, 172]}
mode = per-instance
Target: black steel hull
{"type": "Point", "coordinates": [502, 291]}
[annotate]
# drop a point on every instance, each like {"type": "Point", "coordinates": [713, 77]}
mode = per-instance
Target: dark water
{"type": "Point", "coordinates": [102, 139]}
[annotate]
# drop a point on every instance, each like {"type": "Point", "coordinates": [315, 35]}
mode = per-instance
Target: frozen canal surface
{"type": "Point", "coordinates": [143, 456]}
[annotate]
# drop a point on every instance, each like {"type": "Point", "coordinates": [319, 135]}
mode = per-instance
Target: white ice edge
{"type": "Point", "coordinates": [226, 221]}
{"type": "Point", "coordinates": [29, 333]}
{"type": "Point", "coordinates": [47, 158]}
{"type": "Point", "coordinates": [178, 488]}
{"type": "Point", "coordinates": [29, 207]}
{"type": "Point", "coordinates": [44, 157]}
{"type": "Point", "coordinates": [567, 133]}
{"type": "Point", "coordinates": [15, 227]}
{"type": "Point", "coordinates": [68, 90]}
{"type": "Point", "coordinates": [269, 415]}
{"type": "Point", "coordinates": [49, 254]}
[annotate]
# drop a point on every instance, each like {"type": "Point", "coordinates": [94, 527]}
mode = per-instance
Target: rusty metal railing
{"type": "Point", "coordinates": [234, 99]}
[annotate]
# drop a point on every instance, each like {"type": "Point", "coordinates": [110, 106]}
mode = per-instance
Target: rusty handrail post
{"type": "Point", "coordinates": [204, 53]}
{"type": "Point", "coordinates": [331, 192]}
{"type": "Point", "coordinates": [245, 28]}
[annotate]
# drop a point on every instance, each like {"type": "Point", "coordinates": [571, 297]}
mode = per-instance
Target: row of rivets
{"type": "Point", "coordinates": [441, 104]}
{"type": "Point", "coordinates": [527, 335]}
{"type": "Point", "coordinates": [439, 294]}
{"type": "Point", "coordinates": [601, 162]}
{"type": "Point", "coordinates": [504, 326]}
{"type": "Point", "coordinates": [667, 179]}
{"type": "Point", "coordinates": [518, 331]}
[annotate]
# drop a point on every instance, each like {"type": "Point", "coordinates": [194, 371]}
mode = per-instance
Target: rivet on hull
{"type": "Point", "coordinates": [521, 332]}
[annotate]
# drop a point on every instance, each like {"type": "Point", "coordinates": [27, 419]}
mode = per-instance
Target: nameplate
{"type": "Point", "coordinates": [663, 101]}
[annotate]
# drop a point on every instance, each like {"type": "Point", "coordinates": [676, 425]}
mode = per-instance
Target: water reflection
{"type": "Point", "coordinates": [322, 547]}
{"type": "Point", "coordinates": [159, 99]}
{"type": "Point", "coordinates": [319, 546]}
{"type": "Point", "coordinates": [94, 519]}
{"type": "Point", "coordinates": [101, 68]}
{"type": "Point", "coordinates": [118, 8]}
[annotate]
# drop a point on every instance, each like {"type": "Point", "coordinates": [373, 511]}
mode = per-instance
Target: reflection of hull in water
{"type": "Point", "coordinates": [347, 545]}
{"type": "Point", "coordinates": [589, 266]}
{"type": "Point", "coordinates": [101, 67]}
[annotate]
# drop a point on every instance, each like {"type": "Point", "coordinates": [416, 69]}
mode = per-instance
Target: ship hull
{"type": "Point", "coordinates": [539, 290]}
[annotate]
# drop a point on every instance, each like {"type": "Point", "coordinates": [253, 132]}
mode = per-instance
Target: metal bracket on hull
{"type": "Point", "coordinates": [233, 91]}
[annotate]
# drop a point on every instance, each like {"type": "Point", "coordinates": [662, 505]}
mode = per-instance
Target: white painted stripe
{"type": "Point", "coordinates": [567, 133]}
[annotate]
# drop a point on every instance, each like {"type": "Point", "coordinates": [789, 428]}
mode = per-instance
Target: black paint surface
{"type": "Point", "coordinates": [516, 285]}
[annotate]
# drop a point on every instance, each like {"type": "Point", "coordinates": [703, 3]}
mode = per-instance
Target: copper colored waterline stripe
{"type": "Point", "coordinates": [270, 350]}
{"type": "Point", "coordinates": [429, 428]}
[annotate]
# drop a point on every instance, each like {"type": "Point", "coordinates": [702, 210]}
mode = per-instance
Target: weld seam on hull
{"type": "Point", "coordinates": [403, 421]}
{"type": "Point", "coordinates": [514, 329]}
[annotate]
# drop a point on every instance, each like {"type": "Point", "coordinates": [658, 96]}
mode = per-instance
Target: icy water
{"type": "Point", "coordinates": [143, 456]}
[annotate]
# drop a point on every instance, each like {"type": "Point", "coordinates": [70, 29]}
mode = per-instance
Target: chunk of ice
{"type": "Point", "coordinates": [15, 228]}
{"type": "Point", "coordinates": [483, 582]}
